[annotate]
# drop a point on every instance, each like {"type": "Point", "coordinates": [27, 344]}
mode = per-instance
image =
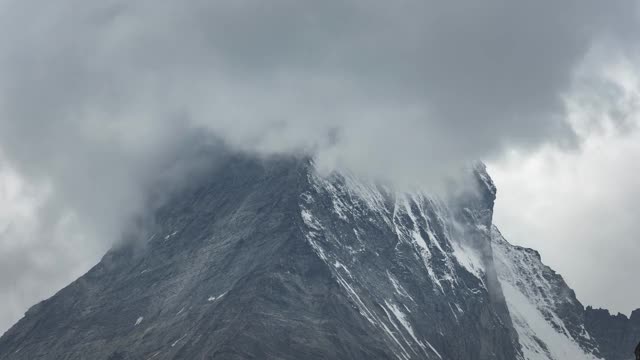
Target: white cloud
{"type": "Point", "coordinates": [579, 207]}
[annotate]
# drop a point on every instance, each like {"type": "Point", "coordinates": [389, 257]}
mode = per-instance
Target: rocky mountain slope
{"type": "Point", "coordinates": [266, 259]}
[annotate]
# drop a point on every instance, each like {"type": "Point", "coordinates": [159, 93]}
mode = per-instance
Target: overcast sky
{"type": "Point", "coordinates": [100, 103]}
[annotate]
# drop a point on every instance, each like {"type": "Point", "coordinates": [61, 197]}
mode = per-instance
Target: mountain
{"type": "Point", "coordinates": [267, 259]}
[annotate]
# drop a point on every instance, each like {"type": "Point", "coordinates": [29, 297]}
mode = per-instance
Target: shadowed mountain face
{"type": "Point", "coordinates": [265, 259]}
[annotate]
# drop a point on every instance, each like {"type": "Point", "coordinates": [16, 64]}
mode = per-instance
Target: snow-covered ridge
{"type": "Point", "coordinates": [545, 312]}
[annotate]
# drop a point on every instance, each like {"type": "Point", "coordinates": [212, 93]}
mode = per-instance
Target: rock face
{"type": "Point", "coordinates": [268, 260]}
{"type": "Point", "coordinates": [617, 335]}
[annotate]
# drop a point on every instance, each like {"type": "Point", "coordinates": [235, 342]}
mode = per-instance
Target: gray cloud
{"type": "Point", "coordinates": [98, 98]}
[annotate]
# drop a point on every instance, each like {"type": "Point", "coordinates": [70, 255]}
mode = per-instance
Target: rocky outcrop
{"type": "Point", "coordinates": [616, 335]}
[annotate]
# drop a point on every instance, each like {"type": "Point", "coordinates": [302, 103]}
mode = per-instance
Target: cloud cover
{"type": "Point", "coordinates": [99, 100]}
{"type": "Point", "coordinates": [579, 207]}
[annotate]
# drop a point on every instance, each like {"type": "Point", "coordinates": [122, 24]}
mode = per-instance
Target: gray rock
{"type": "Point", "coordinates": [616, 335]}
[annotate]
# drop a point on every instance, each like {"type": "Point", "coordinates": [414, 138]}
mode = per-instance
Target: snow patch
{"type": "Point", "coordinates": [214, 298]}
{"type": "Point", "coordinates": [469, 259]}
{"type": "Point", "coordinates": [177, 341]}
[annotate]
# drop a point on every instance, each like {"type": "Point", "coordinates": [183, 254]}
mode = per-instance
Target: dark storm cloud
{"type": "Point", "coordinates": [98, 97]}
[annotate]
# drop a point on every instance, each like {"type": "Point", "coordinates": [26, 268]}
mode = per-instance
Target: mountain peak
{"type": "Point", "coordinates": [265, 258]}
